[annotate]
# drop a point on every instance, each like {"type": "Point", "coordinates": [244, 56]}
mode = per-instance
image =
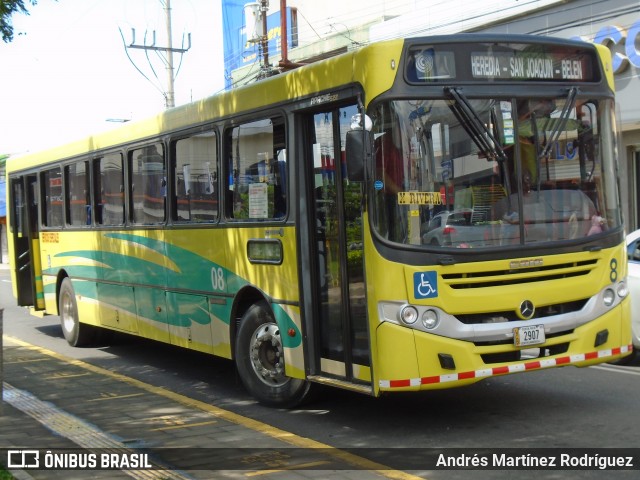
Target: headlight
{"type": "Point", "coordinates": [430, 319]}
{"type": "Point", "coordinates": [622, 289]}
{"type": "Point", "coordinates": [408, 315]}
{"type": "Point", "coordinates": [609, 297]}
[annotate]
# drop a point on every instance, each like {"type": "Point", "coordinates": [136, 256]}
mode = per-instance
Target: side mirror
{"type": "Point", "coordinates": [359, 149]}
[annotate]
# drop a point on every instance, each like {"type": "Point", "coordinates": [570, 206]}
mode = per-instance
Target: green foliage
{"type": "Point", "coordinates": [352, 201]}
{"type": "Point", "coordinates": [4, 473]}
{"type": "Point", "coordinates": [7, 9]}
{"type": "Point", "coordinates": [354, 260]}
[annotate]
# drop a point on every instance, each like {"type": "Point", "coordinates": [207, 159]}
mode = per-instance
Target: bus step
{"type": "Point", "coordinates": [334, 382]}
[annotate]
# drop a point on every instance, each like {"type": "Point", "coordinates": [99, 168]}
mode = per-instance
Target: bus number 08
{"type": "Point", "coordinates": [217, 278]}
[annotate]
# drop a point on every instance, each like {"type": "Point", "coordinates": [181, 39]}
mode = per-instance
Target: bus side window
{"type": "Point", "coordinates": [257, 186]}
{"type": "Point", "coordinates": [52, 205]}
{"type": "Point", "coordinates": [148, 184]}
{"type": "Point", "coordinates": [77, 193]}
{"type": "Point", "coordinates": [109, 189]}
{"type": "Point", "coordinates": [96, 192]}
{"type": "Point", "coordinates": [195, 193]}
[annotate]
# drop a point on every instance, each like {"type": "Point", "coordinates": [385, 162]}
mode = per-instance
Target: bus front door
{"type": "Point", "coordinates": [341, 350]}
{"type": "Point", "coordinates": [26, 243]}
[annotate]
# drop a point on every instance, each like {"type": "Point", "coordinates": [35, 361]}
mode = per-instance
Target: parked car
{"type": "Point", "coordinates": [450, 228]}
{"type": "Point", "coordinates": [633, 281]}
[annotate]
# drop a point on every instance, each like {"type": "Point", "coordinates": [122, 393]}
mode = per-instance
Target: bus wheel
{"type": "Point", "coordinates": [76, 333]}
{"type": "Point", "coordinates": [260, 360]}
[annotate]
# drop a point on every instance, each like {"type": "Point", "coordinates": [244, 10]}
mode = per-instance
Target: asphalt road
{"type": "Point", "coordinates": [564, 409]}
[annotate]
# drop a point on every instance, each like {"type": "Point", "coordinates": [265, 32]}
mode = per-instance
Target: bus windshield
{"type": "Point", "coordinates": [481, 173]}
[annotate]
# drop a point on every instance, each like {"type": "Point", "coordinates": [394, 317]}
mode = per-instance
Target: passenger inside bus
{"type": "Point", "coordinates": [551, 211]}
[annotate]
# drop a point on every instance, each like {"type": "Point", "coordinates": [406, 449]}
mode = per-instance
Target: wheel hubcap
{"type": "Point", "coordinates": [267, 355]}
{"type": "Point", "coordinates": [66, 313]}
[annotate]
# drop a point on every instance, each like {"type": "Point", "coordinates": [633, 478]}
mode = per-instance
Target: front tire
{"type": "Point", "coordinates": [628, 360]}
{"type": "Point", "coordinates": [77, 334]}
{"type": "Point", "coordinates": [259, 358]}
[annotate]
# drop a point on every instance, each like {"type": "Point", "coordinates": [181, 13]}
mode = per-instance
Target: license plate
{"type": "Point", "coordinates": [529, 335]}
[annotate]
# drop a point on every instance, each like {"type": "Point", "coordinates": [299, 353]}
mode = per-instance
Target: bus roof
{"type": "Point", "coordinates": [317, 78]}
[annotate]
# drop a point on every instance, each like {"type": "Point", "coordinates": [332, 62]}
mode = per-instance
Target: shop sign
{"type": "Point", "coordinates": [620, 40]}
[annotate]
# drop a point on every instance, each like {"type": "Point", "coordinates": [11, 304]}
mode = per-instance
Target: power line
{"type": "Point", "coordinates": [167, 59]}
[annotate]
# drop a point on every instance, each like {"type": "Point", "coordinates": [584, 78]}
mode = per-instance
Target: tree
{"type": "Point", "coordinates": [7, 9]}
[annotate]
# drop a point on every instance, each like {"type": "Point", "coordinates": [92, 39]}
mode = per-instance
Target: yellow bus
{"type": "Point", "coordinates": [416, 214]}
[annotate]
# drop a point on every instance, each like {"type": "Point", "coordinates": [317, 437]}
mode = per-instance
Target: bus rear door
{"type": "Point", "coordinates": [26, 242]}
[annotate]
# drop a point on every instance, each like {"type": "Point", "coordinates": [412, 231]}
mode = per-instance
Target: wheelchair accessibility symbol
{"type": "Point", "coordinates": [425, 284]}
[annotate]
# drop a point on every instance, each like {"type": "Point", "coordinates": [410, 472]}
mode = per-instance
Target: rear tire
{"type": "Point", "coordinates": [259, 358]}
{"type": "Point", "coordinates": [77, 334]}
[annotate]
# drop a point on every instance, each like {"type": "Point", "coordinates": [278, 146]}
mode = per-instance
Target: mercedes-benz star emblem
{"type": "Point", "coordinates": [526, 310]}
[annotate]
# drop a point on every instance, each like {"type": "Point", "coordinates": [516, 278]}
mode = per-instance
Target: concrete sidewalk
{"type": "Point", "coordinates": [64, 406]}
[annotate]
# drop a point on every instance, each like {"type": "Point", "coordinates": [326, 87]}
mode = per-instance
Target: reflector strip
{"type": "Point", "coordinates": [536, 364]}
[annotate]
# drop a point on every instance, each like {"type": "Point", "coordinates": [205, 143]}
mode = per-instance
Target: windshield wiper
{"type": "Point", "coordinates": [479, 132]}
{"type": "Point", "coordinates": [559, 126]}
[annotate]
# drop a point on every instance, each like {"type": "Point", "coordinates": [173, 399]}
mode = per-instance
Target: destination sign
{"type": "Point", "coordinates": [501, 62]}
{"type": "Point", "coordinates": [527, 66]}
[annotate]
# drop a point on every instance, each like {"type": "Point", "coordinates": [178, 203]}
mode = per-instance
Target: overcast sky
{"type": "Point", "coordinates": [67, 72]}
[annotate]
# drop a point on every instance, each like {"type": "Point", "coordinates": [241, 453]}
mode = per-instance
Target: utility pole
{"type": "Point", "coordinates": [256, 15]}
{"type": "Point", "coordinates": [169, 51]}
{"type": "Point", "coordinates": [171, 99]}
{"type": "Point", "coordinates": [285, 63]}
{"type": "Point", "coordinates": [264, 8]}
